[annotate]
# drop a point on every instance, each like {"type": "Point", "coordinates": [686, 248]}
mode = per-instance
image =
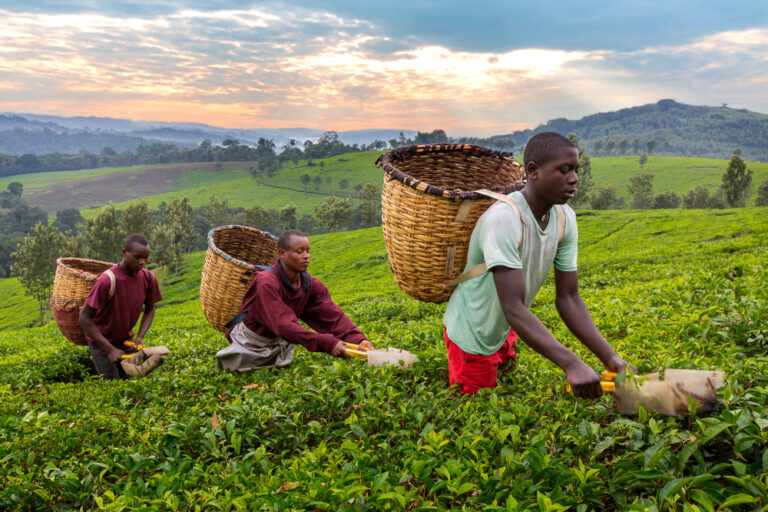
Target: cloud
{"type": "Point", "coordinates": [274, 67]}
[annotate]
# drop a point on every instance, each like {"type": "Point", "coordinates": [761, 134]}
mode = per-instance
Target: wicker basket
{"type": "Point", "coordinates": [71, 286]}
{"type": "Point", "coordinates": [429, 207]}
{"type": "Point", "coordinates": [230, 265]}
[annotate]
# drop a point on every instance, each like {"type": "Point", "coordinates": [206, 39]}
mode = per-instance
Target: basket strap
{"type": "Point", "coordinates": [560, 223]}
{"type": "Point", "coordinates": [112, 283]}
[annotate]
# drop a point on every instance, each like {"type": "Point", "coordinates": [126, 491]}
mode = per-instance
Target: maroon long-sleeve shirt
{"type": "Point", "coordinates": [274, 309]}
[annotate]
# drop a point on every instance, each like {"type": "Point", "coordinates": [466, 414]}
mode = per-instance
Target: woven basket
{"type": "Point", "coordinates": [429, 207]}
{"type": "Point", "coordinates": [71, 286]}
{"type": "Point", "coordinates": [230, 265]}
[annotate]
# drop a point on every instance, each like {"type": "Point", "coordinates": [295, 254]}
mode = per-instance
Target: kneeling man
{"type": "Point", "coordinates": [267, 329]}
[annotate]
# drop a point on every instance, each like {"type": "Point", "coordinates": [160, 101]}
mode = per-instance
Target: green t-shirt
{"type": "Point", "coordinates": [473, 318]}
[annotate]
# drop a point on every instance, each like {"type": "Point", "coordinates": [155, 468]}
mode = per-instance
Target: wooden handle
{"type": "Point", "coordinates": [357, 353]}
{"type": "Point", "coordinates": [608, 387]}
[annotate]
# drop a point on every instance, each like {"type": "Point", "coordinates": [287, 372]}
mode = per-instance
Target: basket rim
{"type": "Point", "coordinates": [238, 227]}
{"type": "Point", "coordinates": [61, 262]}
{"type": "Point", "coordinates": [403, 152]}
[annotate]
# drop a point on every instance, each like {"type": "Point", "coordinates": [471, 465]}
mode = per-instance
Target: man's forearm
{"type": "Point", "coordinates": [146, 323]}
{"type": "Point", "coordinates": [98, 339]}
{"type": "Point", "coordinates": [576, 317]}
{"type": "Point", "coordinates": [537, 336]}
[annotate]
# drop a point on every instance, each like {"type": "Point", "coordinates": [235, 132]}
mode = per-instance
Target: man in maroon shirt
{"type": "Point", "coordinates": [108, 320]}
{"type": "Point", "coordinates": [267, 328]}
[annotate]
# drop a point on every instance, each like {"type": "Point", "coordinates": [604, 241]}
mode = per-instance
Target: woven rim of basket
{"type": "Point", "coordinates": [219, 252]}
{"type": "Point", "coordinates": [62, 262]}
{"type": "Point", "coordinates": [401, 153]}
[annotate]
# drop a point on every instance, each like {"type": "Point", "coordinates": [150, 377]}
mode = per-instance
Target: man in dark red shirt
{"type": "Point", "coordinates": [268, 328]}
{"type": "Point", "coordinates": [108, 318]}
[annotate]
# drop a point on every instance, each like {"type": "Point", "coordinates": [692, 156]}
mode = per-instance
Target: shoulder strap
{"type": "Point", "coordinates": [265, 267]}
{"type": "Point", "coordinates": [112, 283]}
{"type": "Point", "coordinates": [560, 222]}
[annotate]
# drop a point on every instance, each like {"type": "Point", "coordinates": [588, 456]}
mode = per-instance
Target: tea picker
{"type": "Point", "coordinates": [670, 396]}
{"type": "Point", "coordinates": [378, 357]}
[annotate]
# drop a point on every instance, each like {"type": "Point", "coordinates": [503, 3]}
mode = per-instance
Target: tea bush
{"type": "Point", "coordinates": [667, 289]}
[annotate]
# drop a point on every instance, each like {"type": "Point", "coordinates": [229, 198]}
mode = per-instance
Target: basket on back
{"type": "Point", "coordinates": [71, 286]}
{"type": "Point", "coordinates": [230, 266]}
{"type": "Point", "coordinates": [429, 206]}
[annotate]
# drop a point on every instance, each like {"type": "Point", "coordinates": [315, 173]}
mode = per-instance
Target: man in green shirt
{"type": "Point", "coordinates": [518, 243]}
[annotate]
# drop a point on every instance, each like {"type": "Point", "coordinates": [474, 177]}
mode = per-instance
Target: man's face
{"type": "Point", "coordinates": [296, 257]}
{"type": "Point", "coordinates": [556, 180]}
{"type": "Point", "coordinates": [135, 256]}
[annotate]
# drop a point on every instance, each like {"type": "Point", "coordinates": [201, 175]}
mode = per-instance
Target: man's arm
{"type": "Point", "coordinates": [86, 322]}
{"type": "Point", "coordinates": [576, 316]}
{"type": "Point", "coordinates": [146, 322]}
{"type": "Point", "coordinates": [510, 287]}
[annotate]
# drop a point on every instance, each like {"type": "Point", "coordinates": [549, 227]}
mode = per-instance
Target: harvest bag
{"type": "Point", "coordinates": [430, 202]}
{"type": "Point", "coordinates": [71, 286]}
{"type": "Point", "coordinates": [233, 256]}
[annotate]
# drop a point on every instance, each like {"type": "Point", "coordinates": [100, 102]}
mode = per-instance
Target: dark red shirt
{"type": "Point", "coordinates": [274, 309]}
{"type": "Point", "coordinates": [116, 317]}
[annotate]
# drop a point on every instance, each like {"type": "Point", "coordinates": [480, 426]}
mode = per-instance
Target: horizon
{"type": "Point", "coordinates": [339, 66]}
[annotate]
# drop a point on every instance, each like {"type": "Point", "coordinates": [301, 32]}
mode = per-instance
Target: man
{"type": "Point", "coordinates": [518, 244]}
{"type": "Point", "coordinates": [111, 311]}
{"type": "Point", "coordinates": [267, 328]}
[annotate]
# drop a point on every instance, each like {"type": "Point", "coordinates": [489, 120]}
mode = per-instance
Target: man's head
{"type": "Point", "coordinates": [293, 250]}
{"type": "Point", "coordinates": [551, 166]}
{"type": "Point", "coordinates": [135, 253]}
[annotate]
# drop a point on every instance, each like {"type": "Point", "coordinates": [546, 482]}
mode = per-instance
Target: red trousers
{"type": "Point", "coordinates": [472, 372]}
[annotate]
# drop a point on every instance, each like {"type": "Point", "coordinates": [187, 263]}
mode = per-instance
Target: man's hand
{"type": "Point", "coordinates": [618, 365]}
{"type": "Point", "coordinates": [584, 381]}
{"type": "Point", "coordinates": [339, 350]}
{"type": "Point", "coordinates": [366, 345]}
{"type": "Point", "coordinates": [115, 355]}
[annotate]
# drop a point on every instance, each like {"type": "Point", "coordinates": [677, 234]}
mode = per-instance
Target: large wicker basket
{"type": "Point", "coordinates": [430, 205]}
{"type": "Point", "coordinates": [71, 286]}
{"type": "Point", "coordinates": [230, 265]}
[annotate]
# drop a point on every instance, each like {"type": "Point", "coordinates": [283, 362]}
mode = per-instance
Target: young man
{"type": "Point", "coordinates": [108, 320]}
{"type": "Point", "coordinates": [518, 246]}
{"type": "Point", "coordinates": [267, 328]}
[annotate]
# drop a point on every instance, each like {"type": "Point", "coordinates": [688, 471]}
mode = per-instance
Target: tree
{"type": "Point", "coordinates": [597, 146]}
{"type": "Point", "coordinates": [696, 198]}
{"type": "Point", "coordinates": [15, 188]}
{"type": "Point", "coordinates": [762, 194]}
{"type": "Point", "coordinates": [178, 217]}
{"type": "Point", "coordinates": [288, 216]}
{"type": "Point", "coordinates": [605, 199]}
{"type": "Point", "coordinates": [736, 182]}
{"type": "Point", "coordinates": [333, 212]}
{"type": "Point", "coordinates": [667, 200]}
{"type": "Point", "coordinates": [73, 245]}
{"type": "Point", "coordinates": [104, 236]}
{"type": "Point", "coordinates": [642, 160]}
{"type": "Point", "coordinates": [650, 145]}
{"type": "Point", "coordinates": [641, 189]}
{"type": "Point", "coordinates": [636, 146]}
{"type": "Point", "coordinates": [609, 147]}
{"type": "Point", "coordinates": [317, 180]}
{"type": "Point", "coordinates": [257, 217]}
{"type": "Point", "coordinates": [343, 183]}
{"type": "Point", "coordinates": [216, 212]}
{"type": "Point", "coordinates": [68, 219]}
{"type": "Point", "coordinates": [136, 218]}
{"type": "Point", "coordinates": [369, 214]}
{"type": "Point", "coordinates": [35, 265]}
{"type": "Point", "coordinates": [623, 146]}
{"type": "Point", "coordinates": [305, 179]}
{"type": "Point", "coordinates": [584, 187]}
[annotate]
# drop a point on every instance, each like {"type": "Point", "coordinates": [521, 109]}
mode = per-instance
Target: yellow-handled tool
{"type": "Point", "coordinates": [607, 383]}
{"type": "Point", "coordinates": [355, 350]}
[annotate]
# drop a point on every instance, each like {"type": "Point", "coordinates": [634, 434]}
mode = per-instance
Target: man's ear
{"type": "Point", "coordinates": [531, 170]}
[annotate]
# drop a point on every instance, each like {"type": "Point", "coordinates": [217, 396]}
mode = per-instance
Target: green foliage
{"type": "Point", "coordinates": [288, 216]}
{"type": "Point", "coordinates": [179, 231]}
{"type": "Point", "coordinates": [643, 159]}
{"type": "Point", "coordinates": [584, 189]}
{"type": "Point", "coordinates": [69, 219]}
{"type": "Point", "coordinates": [606, 199]}
{"type": "Point", "coordinates": [736, 182]}
{"type": "Point", "coordinates": [35, 265]}
{"type": "Point", "coordinates": [257, 217]}
{"type": "Point", "coordinates": [369, 211]}
{"type": "Point", "coordinates": [762, 194]}
{"type": "Point", "coordinates": [135, 218]}
{"type": "Point", "coordinates": [216, 212]}
{"type": "Point", "coordinates": [333, 212]}
{"type": "Point", "coordinates": [104, 236]}
{"type": "Point", "coordinates": [641, 190]}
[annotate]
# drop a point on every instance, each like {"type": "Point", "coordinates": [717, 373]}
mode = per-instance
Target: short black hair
{"type": "Point", "coordinates": [136, 238]}
{"type": "Point", "coordinates": [282, 241]}
{"type": "Point", "coordinates": [543, 146]}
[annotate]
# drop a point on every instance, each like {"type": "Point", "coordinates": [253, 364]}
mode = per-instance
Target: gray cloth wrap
{"type": "Point", "coordinates": [249, 350]}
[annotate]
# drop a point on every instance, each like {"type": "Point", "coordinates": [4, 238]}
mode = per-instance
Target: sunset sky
{"type": "Point", "coordinates": [470, 68]}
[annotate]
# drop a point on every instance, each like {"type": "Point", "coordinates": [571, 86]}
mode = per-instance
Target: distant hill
{"type": "Point", "coordinates": [676, 128]}
{"type": "Point", "coordinates": [40, 134]}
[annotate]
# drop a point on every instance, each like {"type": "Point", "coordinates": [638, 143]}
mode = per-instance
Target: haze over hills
{"type": "Point", "coordinates": [674, 129]}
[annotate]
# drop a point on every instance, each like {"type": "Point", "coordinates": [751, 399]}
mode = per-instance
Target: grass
{"type": "Point", "coordinates": [668, 289]}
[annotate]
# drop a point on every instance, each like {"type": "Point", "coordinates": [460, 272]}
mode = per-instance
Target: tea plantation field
{"type": "Point", "coordinates": [680, 289]}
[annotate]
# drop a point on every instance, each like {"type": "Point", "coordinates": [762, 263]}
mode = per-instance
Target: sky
{"type": "Point", "coordinates": [469, 68]}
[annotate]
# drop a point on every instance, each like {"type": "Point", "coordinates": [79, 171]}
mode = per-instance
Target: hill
{"type": "Point", "coordinates": [668, 289]}
{"type": "Point", "coordinates": [676, 128]}
{"type": "Point", "coordinates": [89, 190]}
